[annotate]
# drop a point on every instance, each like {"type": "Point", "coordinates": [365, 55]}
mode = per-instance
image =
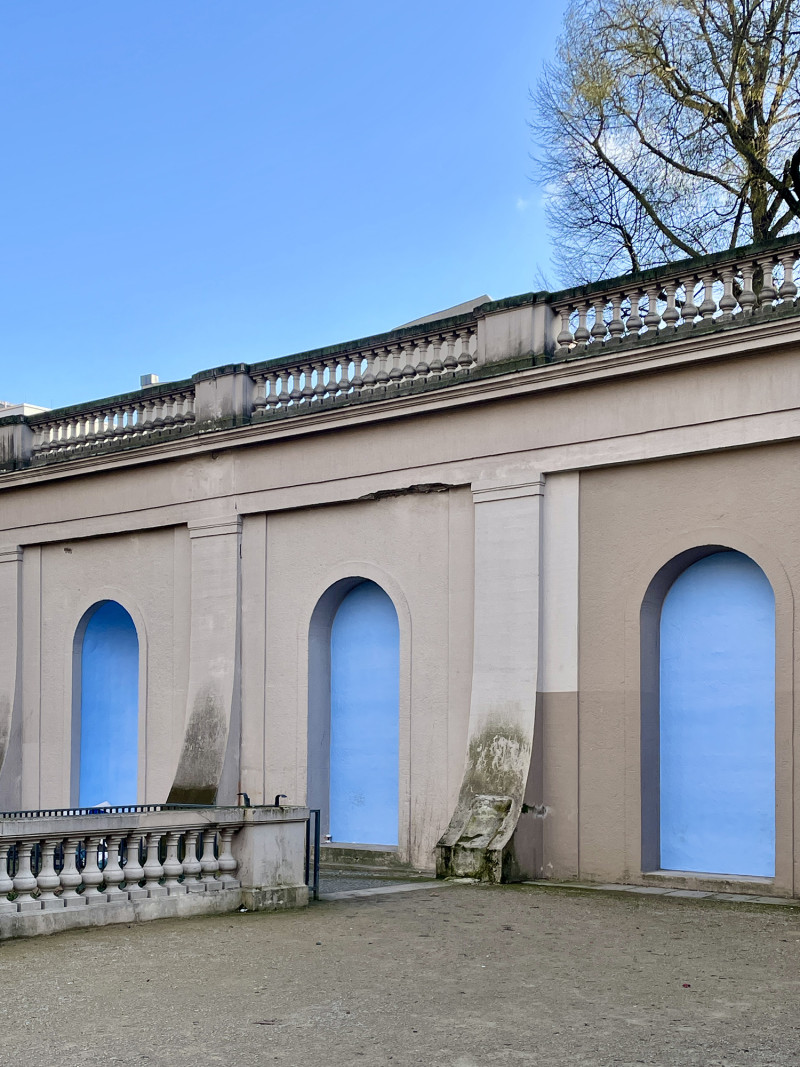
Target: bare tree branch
{"type": "Point", "coordinates": [672, 128]}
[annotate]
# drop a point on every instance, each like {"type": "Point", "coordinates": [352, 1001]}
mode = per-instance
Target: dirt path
{"type": "Point", "coordinates": [456, 976]}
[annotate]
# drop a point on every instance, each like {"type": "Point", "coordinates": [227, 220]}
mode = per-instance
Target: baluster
{"type": "Point", "coordinates": [158, 412]}
{"type": "Point", "coordinates": [409, 369]}
{"type": "Point", "coordinates": [296, 392]}
{"type": "Point", "coordinates": [382, 377]}
{"type": "Point", "coordinates": [635, 318]}
{"type": "Point", "coordinates": [25, 880]}
{"type": "Point", "coordinates": [173, 868]}
{"type": "Point", "coordinates": [598, 330]}
{"type": "Point", "coordinates": [565, 340]}
{"type": "Point", "coordinates": [369, 373]}
{"type": "Point", "coordinates": [113, 873]}
{"type": "Point", "coordinates": [227, 863]}
{"type": "Point", "coordinates": [652, 319]}
{"type": "Point", "coordinates": [317, 379]}
{"type": "Point", "coordinates": [70, 876]}
{"type": "Point", "coordinates": [325, 383]}
{"type": "Point", "coordinates": [689, 310]}
{"type": "Point", "coordinates": [768, 291]}
{"type": "Point", "coordinates": [169, 411]}
{"type": "Point", "coordinates": [259, 392]}
{"type": "Point", "coordinates": [153, 871]}
{"type": "Point", "coordinates": [91, 429]}
{"type": "Point", "coordinates": [709, 305]}
{"type": "Point", "coordinates": [450, 362]}
{"type": "Point", "coordinates": [423, 367]}
{"type": "Point", "coordinates": [465, 358]}
{"type": "Point", "coordinates": [188, 406]}
{"type": "Point", "coordinates": [191, 864]}
{"type": "Point", "coordinates": [748, 300]}
{"type": "Point", "coordinates": [436, 365]}
{"type": "Point", "coordinates": [727, 302]}
{"type": "Point", "coordinates": [209, 864]}
{"type": "Point", "coordinates": [148, 414]}
{"type": "Point", "coordinates": [6, 882]}
{"type": "Point", "coordinates": [670, 316]}
{"type": "Point", "coordinates": [271, 391]}
{"type": "Point", "coordinates": [133, 870]}
{"type": "Point", "coordinates": [344, 378]}
{"type": "Point", "coordinates": [126, 421]}
{"type": "Point", "coordinates": [396, 351]}
{"type": "Point", "coordinates": [356, 381]}
{"type": "Point", "coordinates": [308, 388]}
{"type": "Point", "coordinates": [78, 432]}
{"type": "Point", "coordinates": [582, 335]}
{"type": "Point", "coordinates": [92, 875]}
{"type": "Point", "coordinates": [616, 326]}
{"type": "Point", "coordinates": [48, 880]}
{"type": "Point", "coordinates": [100, 432]}
{"type": "Point", "coordinates": [178, 408]}
{"type": "Point", "coordinates": [788, 290]}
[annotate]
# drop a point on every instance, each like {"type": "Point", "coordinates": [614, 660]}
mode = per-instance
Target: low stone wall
{"type": "Point", "coordinates": [66, 870]}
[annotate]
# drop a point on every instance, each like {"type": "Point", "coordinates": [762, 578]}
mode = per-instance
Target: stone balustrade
{"type": "Point", "coordinates": [677, 299]}
{"type": "Point", "coordinates": [737, 288]}
{"type": "Point", "coordinates": [81, 431]}
{"type": "Point", "coordinates": [376, 371]}
{"type": "Point", "coordinates": [64, 869]}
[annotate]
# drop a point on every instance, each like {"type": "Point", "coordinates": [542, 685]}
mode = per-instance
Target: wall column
{"type": "Point", "coordinates": [208, 768]}
{"type": "Point", "coordinates": [11, 678]}
{"type": "Point", "coordinates": [504, 682]}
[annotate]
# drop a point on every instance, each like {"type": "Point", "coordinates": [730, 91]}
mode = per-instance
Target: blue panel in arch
{"type": "Point", "coordinates": [717, 719]}
{"type": "Point", "coordinates": [109, 708]}
{"type": "Point", "coordinates": [365, 703]}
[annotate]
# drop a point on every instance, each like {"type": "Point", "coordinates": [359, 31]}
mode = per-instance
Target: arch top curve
{"type": "Point", "coordinates": [346, 576]}
{"type": "Point", "coordinates": [658, 568]}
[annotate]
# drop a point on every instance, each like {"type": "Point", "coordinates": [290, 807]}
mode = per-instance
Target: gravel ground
{"type": "Point", "coordinates": [451, 976]}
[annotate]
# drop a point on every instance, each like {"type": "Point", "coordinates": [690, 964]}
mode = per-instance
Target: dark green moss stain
{"type": "Point", "coordinates": [496, 761]}
{"type": "Point", "coordinates": [203, 751]}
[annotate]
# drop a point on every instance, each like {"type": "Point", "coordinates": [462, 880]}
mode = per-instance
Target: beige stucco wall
{"type": "Point", "coordinates": [147, 574]}
{"type": "Point", "coordinates": [640, 456]}
{"type": "Point", "coordinates": [633, 520]}
{"type": "Point", "coordinates": [418, 547]}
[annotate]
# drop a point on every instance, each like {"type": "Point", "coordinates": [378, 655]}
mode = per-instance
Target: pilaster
{"type": "Point", "coordinates": [208, 764]}
{"type": "Point", "coordinates": [11, 677]}
{"type": "Point", "coordinates": [504, 681]}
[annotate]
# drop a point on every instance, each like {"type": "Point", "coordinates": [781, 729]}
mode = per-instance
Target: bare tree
{"type": "Point", "coordinates": [669, 129]}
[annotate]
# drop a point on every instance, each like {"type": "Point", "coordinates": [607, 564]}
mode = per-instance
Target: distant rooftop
{"type": "Point", "coordinates": [7, 408]}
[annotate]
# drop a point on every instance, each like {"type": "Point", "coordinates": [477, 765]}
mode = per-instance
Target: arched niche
{"type": "Point", "coordinates": [105, 749]}
{"type": "Point", "coordinates": [708, 716]}
{"type": "Point", "coordinates": [353, 724]}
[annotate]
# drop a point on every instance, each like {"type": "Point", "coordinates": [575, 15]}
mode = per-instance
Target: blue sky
{"type": "Point", "coordinates": [189, 183]}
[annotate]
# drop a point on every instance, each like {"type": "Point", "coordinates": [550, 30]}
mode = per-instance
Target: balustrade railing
{"type": "Point", "coordinates": [373, 371]}
{"type": "Point", "coordinates": [742, 286]}
{"type": "Point", "coordinates": [124, 420]}
{"type": "Point", "coordinates": [59, 861]}
{"type": "Point", "coordinates": [675, 298]}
